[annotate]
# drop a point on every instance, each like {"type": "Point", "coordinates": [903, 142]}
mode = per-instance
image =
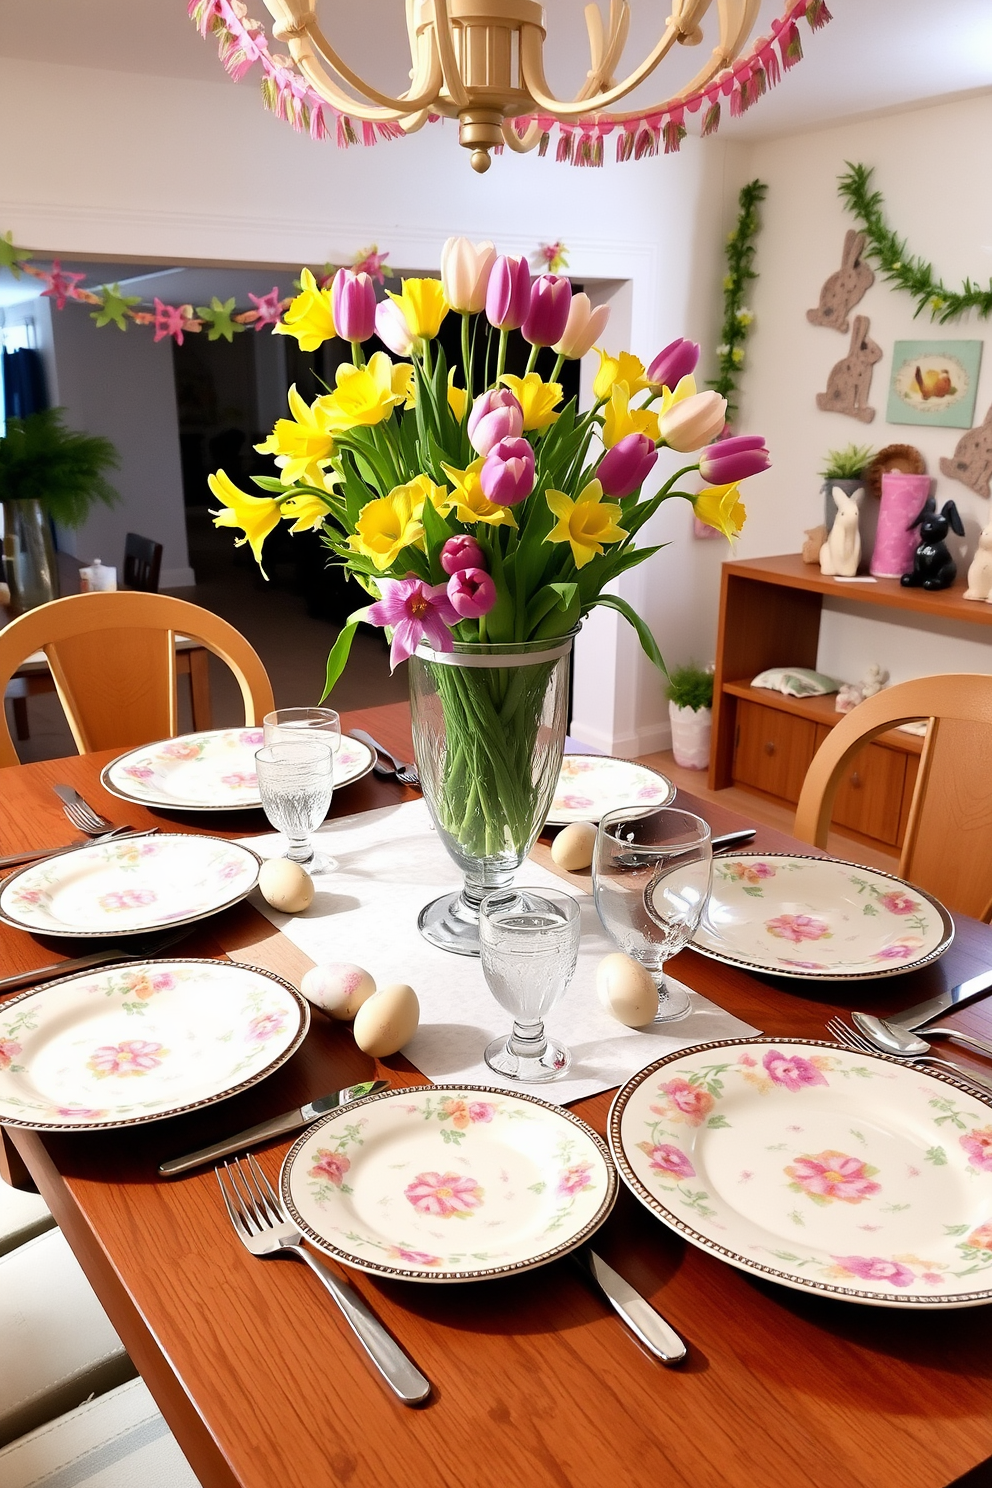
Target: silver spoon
{"type": "Point", "coordinates": [890, 1039]}
{"type": "Point", "coordinates": [899, 1040]}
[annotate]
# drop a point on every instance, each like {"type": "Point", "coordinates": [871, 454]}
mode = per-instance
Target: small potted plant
{"type": "Point", "coordinates": [845, 468]}
{"type": "Point", "coordinates": [690, 710]}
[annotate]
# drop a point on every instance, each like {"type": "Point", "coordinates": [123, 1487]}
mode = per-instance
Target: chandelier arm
{"type": "Point", "coordinates": [737, 18]}
{"type": "Point", "coordinates": [522, 144]}
{"type": "Point", "coordinates": [604, 56]}
{"type": "Point", "coordinates": [423, 89]}
{"type": "Point", "coordinates": [410, 123]}
{"type": "Point", "coordinates": [446, 51]}
{"type": "Point", "coordinates": [687, 15]}
{"type": "Point", "coordinates": [717, 64]}
{"type": "Point", "coordinates": [327, 89]}
{"type": "Point", "coordinates": [536, 84]}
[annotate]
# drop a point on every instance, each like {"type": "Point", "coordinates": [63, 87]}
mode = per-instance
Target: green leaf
{"type": "Point", "coordinates": [648, 643]}
{"type": "Point", "coordinates": [270, 483]}
{"type": "Point", "coordinates": [436, 532]}
{"type": "Point", "coordinates": [341, 650]}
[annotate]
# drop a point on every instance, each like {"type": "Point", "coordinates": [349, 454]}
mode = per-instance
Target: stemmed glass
{"type": "Point", "coordinates": [529, 940]}
{"type": "Point", "coordinates": [296, 782]}
{"type": "Point", "coordinates": [651, 876]}
{"type": "Point", "coordinates": [289, 724]}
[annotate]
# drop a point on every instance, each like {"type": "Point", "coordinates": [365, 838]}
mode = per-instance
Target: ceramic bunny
{"type": "Point", "coordinates": [933, 566]}
{"type": "Point", "coordinates": [980, 572]}
{"type": "Point", "coordinates": [844, 288]}
{"type": "Point", "coordinates": [841, 553]}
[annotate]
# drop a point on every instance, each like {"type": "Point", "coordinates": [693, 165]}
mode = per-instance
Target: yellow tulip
{"type": "Point", "coordinates": [389, 524]}
{"type": "Point", "coordinates": [623, 368]}
{"type": "Point", "coordinates": [586, 524]}
{"type": "Point", "coordinates": [721, 507]}
{"type": "Point", "coordinates": [457, 397]}
{"type": "Point", "coordinates": [255, 515]}
{"type": "Point", "coordinates": [536, 398]}
{"type": "Point", "coordinates": [306, 512]}
{"type": "Point", "coordinates": [302, 445]}
{"type": "Point", "coordinates": [364, 395]}
{"type": "Point", "coordinates": [310, 317]}
{"type": "Point", "coordinates": [620, 419]}
{"type": "Point", "coordinates": [468, 500]}
{"type": "Point", "coordinates": [424, 306]}
{"type": "Point", "coordinates": [402, 383]}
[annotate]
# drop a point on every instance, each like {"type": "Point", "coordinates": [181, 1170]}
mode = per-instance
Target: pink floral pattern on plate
{"type": "Point", "coordinates": [132, 1057]}
{"type": "Point", "coordinates": [330, 1166]}
{"type": "Point", "coordinates": [898, 902]}
{"type": "Point", "coordinates": [798, 928]}
{"type": "Point", "coordinates": [9, 1049]}
{"type": "Point", "coordinates": [792, 1070]}
{"type": "Point", "coordinates": [683, 1101]}
{"type": "Point", "coordinates": [575, 1179]}
{"type": "Point", "coordinates": [182, 749]}
{"type": "Point", "coordinates": [831, 1175]}
{"type": "Point", "coordinates": [899, 950]}
{"type": "Point", "coordinates": [240, 779]}
{"type": "Point", "coordinates": [463, 1114]}
{"type": "Point", "coordinates": [978, 1145]}
{"type": "Point", "coordinates": [264, 1027]}
{"type": "Point", "coordinates": [877, 1268]}
{"type": "Point", "coordinates": [445, 1195]}
{"type": "Point", "coordinates": [668, 1161]}
{"type": "Point", "coordinates": [252, 737]}
{"type": "Point", "coordinates": [121, 899]}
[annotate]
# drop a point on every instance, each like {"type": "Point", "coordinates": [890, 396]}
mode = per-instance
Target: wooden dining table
{"type": "Point", "coordinates": [535, 1381]}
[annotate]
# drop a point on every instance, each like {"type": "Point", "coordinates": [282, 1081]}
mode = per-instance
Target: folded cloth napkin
{"type": "Point", "coordinates": [390, 864]}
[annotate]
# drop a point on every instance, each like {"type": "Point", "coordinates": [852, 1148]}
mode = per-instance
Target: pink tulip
{"type": "Point", "coordinates": [693, 421]}
{"type": "Point", "coordinates": [465, 270]}
{"type": "Point", "coordinates": [471, 593]}
{"type": "Point", "coordinates": [550, 301]}
{"type": "Point", "coordinates": [353, 305]}
{"type": "Point", "coordinates": [677, 360]}
{"type": "Point", "coordinates": [417, 612]}
{"type": "Point", "coordinates": [583, 328]}
{"type": "Point", "coordinates": [495, 415]}
{"type": "Point", "coordinates": [508, 293]}
{"type": "Point", "coordinates": [733, 459]}
{"type": "Point", "coordinates": [627, 465]}
{"type": "Point", "coordinates": [507, 474]}
{"type": "Point", "coordinates": [392, 329]}
{"type": "Point", "coordinates": [462, 552]}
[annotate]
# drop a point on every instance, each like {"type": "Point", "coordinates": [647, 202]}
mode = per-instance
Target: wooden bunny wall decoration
{"type": "Point", "coordinates": [850, 380]}
{"type": "Point", "coordinates": [971, 463]}
{"type": "Point", "coordinates": [842, 291]}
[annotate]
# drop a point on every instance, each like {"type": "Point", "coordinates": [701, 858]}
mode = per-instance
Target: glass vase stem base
{"type": "Point", "coordinates": [553, 1060]}
{"type": "Point", "coordinates": [451, 924]}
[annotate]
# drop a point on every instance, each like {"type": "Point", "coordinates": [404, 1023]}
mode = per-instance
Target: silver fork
{"type": "Point", "coordinates": [839, 1030]}
{"type": "Point", "coordinates": [80, 814]}
{"type": "Point", "coordinates": [264, 1229]}
{"type": "Point", "coordinates": [407, 773]}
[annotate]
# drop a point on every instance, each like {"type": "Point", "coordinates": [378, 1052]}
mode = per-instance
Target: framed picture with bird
{"type": "Point", "coordinates": [934, 382]}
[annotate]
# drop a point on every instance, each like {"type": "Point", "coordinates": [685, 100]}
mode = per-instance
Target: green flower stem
{"type": "Point", "coordinates": [557, 368]}
{"type": "Point", "coordinates": [531, 359]}
{"type": "Point", "coordinates": [467, 361]}
{"type": "Point", "coordinates": [504, 337]}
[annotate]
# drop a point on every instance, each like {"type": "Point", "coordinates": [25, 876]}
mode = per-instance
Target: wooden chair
{"type": "Point", "coordinates": [112, 658]}
{"type": "Point", "coordinates": [948, 845]}
{"type": "Point", "coordinates": [142, 563]}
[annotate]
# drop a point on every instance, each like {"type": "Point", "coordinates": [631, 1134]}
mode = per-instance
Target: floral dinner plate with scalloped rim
{"type": "Point", "coordinates": [449, 1183]}
{"type": "Point", "coordinates": [590, 785]}
{"type": "Point", "coordinates": [854, 1175]}
{"type": "Point", "coordinates": [136, 1043]}
{"type": "Point", "coordinates": [819, 918]}
{"type": "Point", "coordinates": [129, 886]}
{"type": "Point", "coordinates": [212, 771]}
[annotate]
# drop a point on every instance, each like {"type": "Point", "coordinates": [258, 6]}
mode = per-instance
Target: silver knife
{"type": "Point", "coordinates": [636, 1311]}
{"type": "Point", "coordinates": [276, 1126]}
{"type": "Point", "coordinates": [38, 855]}
{"type": "Point", "coordinates": [944, 1002]}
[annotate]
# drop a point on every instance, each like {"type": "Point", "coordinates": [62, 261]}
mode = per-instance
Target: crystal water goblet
{"type": "Point", "coordinates": [529, 941]}
{"type": "Point", "coordinates": [651, 872]}
{"type": "Point", "coordinates": [294, 723]}
{"type": "Point", "coordinates": [296, 782]}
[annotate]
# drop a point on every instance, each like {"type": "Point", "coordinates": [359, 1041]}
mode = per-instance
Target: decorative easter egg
{"type": "Point", "coordinates": [338, 987]}
{"type": "Point", "coordinates": [285, 885]}
{"type": "Point", "coordinates": [626, 989]}
{"type": "Point", "coordinates": [387, 1021]}
{"type": "Point", "coordinates": [573, 848]}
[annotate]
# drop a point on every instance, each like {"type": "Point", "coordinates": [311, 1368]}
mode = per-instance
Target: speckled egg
{"type": "Point", "coordinates": [285, 885]}
{"type": "Point", "coordinates": [626, 989]}
{"type": "Point", "coordinates": [574, 846]}
{"type": "Point", "coordinates": [338, 987]}
{"type": "Point", "coordinates": [387, 1021]}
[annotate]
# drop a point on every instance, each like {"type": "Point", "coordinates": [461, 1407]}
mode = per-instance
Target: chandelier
{"type": "Point", "coordinates": [482, 62]}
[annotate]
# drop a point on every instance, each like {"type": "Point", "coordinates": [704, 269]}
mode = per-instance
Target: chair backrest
{"type": "Point", "coordinates": [948, 844]}
{"type": "Point", "coordinates": [112, 658]}
{"type": "Point", "coordinates": [142, 563]}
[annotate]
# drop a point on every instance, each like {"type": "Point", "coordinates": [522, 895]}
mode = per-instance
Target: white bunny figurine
{"type": "Point", "coordinates": [841, 553]}
{"type": "Point", "coordinates": [980, 572]}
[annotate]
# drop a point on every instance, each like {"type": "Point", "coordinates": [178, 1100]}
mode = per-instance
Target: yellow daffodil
{"type": "Point", "coordinates": [389, 524]}
{"type": "Point", "coordinates": [403, 383]}
{"type": "Point", "coordinates": [536, 398]}
{"type": "Point", "coordinates": [586, 524]}
{"type": "Point", "coordinates": [457, 397]}
{"type": "Point", "coordinates": [468, 500]}
{"type": "Point", "coordinates": [255, 515]}
{"type": "Point", "coordinates": [310, 317]}
{"type": "Point", "coordinates": [721, 507]}
{"type": "Point", "coordinates": [684, 388]}
{"type": "Point", "coordinates": [424, 306]}
{"type": "Point", "coordinates": [423, 489]}
{"type": "Point", "coordinates": [620, 419]}
{"type": "Point", "coordinates": [306, 512]}
{"type": "Point", "coordinates": [364, 395]}
{"type": "Point", "coordinates": [303, 445]}
{"type": "Point", "coordinates": [623, 368]}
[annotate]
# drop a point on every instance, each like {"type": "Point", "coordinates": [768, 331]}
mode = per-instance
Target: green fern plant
{"type": "Point", "coordinates": [690, 686]}
{"type": "Point", "coordinates": [62, 468]}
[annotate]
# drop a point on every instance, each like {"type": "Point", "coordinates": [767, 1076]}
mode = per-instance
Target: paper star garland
{"type": "Point", "coordinates": [370, 261]}
{"type": "Point", "coordinates": [268, 308]}
{"type": "Point", "coordinates": [12, 257]}
{"type": "Point", "coordinates": [61, 285]}
{"type": "Point", "coordinates": [217, 318]}
{"type": "Point", "coordinates": [114, 306]}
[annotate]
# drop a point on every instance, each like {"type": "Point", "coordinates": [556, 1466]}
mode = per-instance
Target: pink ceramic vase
{"type": "Point", "coordinates": [903, 496]}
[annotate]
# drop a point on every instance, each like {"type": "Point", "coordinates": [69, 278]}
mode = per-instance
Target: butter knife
{"type": "Point", "coordinates": [944, 1002]}
{"type": "Point", "coordinates": [276, 1126]}
{"type": "Point", "coordinates": [636, 1311]}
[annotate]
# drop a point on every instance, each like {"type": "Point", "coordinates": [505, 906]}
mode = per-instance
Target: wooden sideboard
{"type": "Point", "coordinates": [763, 741]}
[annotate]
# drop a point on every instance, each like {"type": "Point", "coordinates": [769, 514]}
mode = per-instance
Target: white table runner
{"type": "Point", "coordinates": [391, 863]}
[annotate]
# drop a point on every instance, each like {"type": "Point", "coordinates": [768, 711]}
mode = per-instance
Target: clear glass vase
{"type": "Point", "coordinates": [488, 735]}
{"type": "Point", "coordinates": [28, 555]}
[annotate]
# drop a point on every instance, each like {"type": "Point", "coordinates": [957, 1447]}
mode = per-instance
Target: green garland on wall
{"type": "Point", "coordinates": [737, 318]}
{"type": "Point", "coordinates": [900, 267]}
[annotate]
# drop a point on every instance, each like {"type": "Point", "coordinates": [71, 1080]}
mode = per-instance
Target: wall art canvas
{"type": "Point", "coordinates": [934, 382]}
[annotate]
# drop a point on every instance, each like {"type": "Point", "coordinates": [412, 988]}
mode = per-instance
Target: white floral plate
{"type": "Point", "coordinates": [855, 1175]}
{"type": "Point", "coordinates": [212, 771]}
{"type": "Point", "coordinates": [130, 886]}
{"type": "Point", "coordinates": [819, 918]}
{"type": "Point", "coordinates": [590, 785]}
{"type": "Point", "coordinates": [449, 1183]}
{"type": "Point", "coordinates": [137, 1043]}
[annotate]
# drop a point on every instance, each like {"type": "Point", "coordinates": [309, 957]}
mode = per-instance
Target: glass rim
{"type": "Point", "coordinates": [642, 813]}
{"type": "Point", "coordinates": [574, 907]}
{"type": "Point", "coordinates": [276, 718]}
{"type": "Point", "coordinates": [266, 755]}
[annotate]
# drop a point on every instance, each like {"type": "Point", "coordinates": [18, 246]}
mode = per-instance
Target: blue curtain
{"type": "Point", "coordinates": [24, 389]}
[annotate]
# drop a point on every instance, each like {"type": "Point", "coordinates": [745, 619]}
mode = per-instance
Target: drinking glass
{"type": "Point", "coordinates": [529, 940]}
{"type": "Point", "coordinates": [295, 782]}
{"type": "Point", "coordinates": [651, 875]}
{"type": "Point", "coordinates": [287, 724]}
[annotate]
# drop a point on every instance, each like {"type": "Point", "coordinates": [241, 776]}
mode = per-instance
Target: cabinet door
{"type": "Point", "coordinates": [870, 795]}
{"type": "Point", "coordinates": [773, 750]}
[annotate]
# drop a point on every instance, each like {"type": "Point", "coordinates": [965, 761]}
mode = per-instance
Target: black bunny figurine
{"type": "Point", "coordinates": [933, 566]}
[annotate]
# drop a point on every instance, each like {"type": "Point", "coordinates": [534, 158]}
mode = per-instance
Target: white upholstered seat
{"type": "Point", "coordinates": [22, 1216]}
